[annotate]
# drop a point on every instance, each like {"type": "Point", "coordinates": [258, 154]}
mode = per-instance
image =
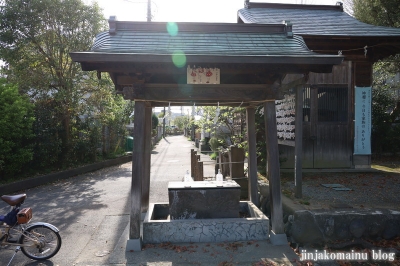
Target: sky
{"type": "Point", "coordinates": [184, 11]}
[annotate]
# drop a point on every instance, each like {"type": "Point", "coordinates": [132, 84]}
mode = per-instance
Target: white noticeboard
{"type": "Point", "coordinates": [285, 117]}
{"type": "Point", "coordinates": [203, 75]}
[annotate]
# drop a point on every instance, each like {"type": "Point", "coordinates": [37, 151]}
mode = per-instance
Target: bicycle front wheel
{"type": "Point", "coordinates": [40, 242]}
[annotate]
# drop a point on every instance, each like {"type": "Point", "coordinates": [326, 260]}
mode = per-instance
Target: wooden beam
{"type": "Point", "coordinates": [124, 79]}
{"type": "Point", "coordinates": [273, 167]}
{"type": "Point", "coordinates": [204, 103]}
{"type": "Point", "coordinates": [199, 92]}
{"type": "Point", "coordinates": [286, 142]}
{"type": "Point", "coordinates": [209, 94]}
{"type": "Point", "coordinates": [254, 68]}
{"type": "Point", "coordinates": [352, 48]}
{"type": "Point", "coordinates": [122, 68]}
{"type": "Point", "coordinates": [251, 138]}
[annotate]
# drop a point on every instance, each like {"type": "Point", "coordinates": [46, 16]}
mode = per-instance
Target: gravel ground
{"type": "Point", "coordinates": [368, 190]}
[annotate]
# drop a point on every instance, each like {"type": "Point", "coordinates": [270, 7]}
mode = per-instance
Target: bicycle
{"type": "Point", "coordinates": [37, 241]}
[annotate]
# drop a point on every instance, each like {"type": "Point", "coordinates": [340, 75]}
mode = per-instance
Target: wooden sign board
{"type": "Point", "coordinates": [203, 75]}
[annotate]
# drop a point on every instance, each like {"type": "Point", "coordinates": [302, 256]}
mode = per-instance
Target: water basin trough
{"type": "Point", "coordinates": [159, 228]}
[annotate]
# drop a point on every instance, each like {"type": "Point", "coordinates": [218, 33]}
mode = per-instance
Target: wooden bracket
{"type": "Point", "coordinates": [286, 88]}
{"type": "Point", "coordinates": [134, 92]}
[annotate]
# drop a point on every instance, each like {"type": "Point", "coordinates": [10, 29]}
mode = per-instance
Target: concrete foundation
{"type": "Point", "coordinates": [278, 239]}
{"type": "Point", "coordinates": [158, 228]}
{"type": "Point", "coordinates": [328, 226]}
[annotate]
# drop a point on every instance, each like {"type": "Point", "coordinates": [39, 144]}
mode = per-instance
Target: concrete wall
{"type": "Point", "coordinates": [44, 179]}
{"type": "Point", "coordinates": [329, 226]}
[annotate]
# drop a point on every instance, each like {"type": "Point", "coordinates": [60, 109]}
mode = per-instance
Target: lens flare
{"type": "Point", "coordinates": [179, 59]}
{"type": "Point", "coordinates": [172, 28]}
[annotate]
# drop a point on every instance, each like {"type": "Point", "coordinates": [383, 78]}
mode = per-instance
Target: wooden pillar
{"type": "Point", "coordinates": [196, 176]}
{"type": "Point", "coordinates": [147, 160]}
{"type": "Point", "coordinates": [193, 162]}
{"type": "Point", "coordinates": [138, 173]}
{"type": "Point", "coordinates": [200, 172]}
{"type": "Point", "coordinates": [363, 74]}
{"type": "Point", "coordinates": [252, 160]}
{"type": "Point", "coordinates": [277, 235]}
{"type": "Point", "coordinates": [230, 163]}
{"type": "Point", "coordinates": [298, 148]}
{"type": "Point", "coordinates": [236, 162]}
{"type": "Point", "coordinates": [220, 163]}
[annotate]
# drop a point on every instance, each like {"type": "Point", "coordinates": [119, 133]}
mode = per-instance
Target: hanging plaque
{"type": "Point", "coordinates": [203, 75]}
{"type": "Point", "coordinates": [285, 117]}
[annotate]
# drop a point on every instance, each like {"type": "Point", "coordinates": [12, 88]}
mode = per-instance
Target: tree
{"type": "Point", "coordinates": [225, 126]}
{"type": "Point", "coordinates": [182, 122]}
{"type": "Point", "coordinates": [36, 37]}
{"type": "Point", "coordinates": [381, 13]}
{"type": "Point", "coordinates": [161, 114]}
{"type": "Point", "coordinates": [15, 129]}
{"type": "Point", "coordinates": [378, 12]}
{"type": "Point", "coordinates": [103, 116]}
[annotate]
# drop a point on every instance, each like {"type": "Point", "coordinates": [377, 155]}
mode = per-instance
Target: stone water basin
{"type": "Point", "coordinates": [159, 228]}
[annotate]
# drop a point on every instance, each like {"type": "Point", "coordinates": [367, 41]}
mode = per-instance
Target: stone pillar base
{"type": "Point", "coordinates": [278, 239]}
{"type": "Point", "coordinates": [134, 245]}
{"type": "Point", "coordinates": [362, 161]}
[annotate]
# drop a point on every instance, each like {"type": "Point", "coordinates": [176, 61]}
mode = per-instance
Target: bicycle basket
{"type": "Point", "coordinates": [24, 215]}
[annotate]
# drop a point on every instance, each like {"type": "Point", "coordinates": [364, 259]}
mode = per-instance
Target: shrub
{"type": "Point", "coordinates": [215, 143]}
{"type": "Point", "coordinates": [15, 130]}
{"type": "Point", "coordinates": [154, 121]}
{"type": "Point", "coordinates": [214, 155]}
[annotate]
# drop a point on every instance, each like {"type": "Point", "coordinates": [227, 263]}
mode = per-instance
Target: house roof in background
{"type": "Point", "coordinates": [321, 20]}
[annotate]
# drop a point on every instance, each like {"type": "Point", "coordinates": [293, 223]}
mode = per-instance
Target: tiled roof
{"type": "Point", "coordinates": [215, 42]}
{"type": "Point", "coordinates": [200, 43]}
{"type": "Point", "coordinates": [314, 20]}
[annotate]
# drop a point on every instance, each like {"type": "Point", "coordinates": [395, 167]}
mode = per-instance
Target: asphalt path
{"type": "Point", "coordinates": [92, 214]}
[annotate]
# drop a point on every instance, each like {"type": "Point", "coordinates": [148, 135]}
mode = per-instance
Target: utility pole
{"type": "Point", "coordinates": [148, 10]}
{"type": "Point", "coordinates": [149, 2]}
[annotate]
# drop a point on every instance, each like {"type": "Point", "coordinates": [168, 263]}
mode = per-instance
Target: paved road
{"type": "Point", "coordinates": [92, 213]}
